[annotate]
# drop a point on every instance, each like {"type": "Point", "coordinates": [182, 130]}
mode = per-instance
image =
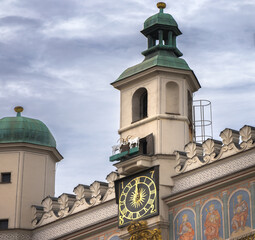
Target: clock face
{"type": "Point", "coordinates": [138, 196]}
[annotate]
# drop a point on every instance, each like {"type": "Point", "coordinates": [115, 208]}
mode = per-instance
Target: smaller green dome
{"type": "Point", "coordinates": [26, 130]}
{"type": "Point", "coordinates": [160, 18]}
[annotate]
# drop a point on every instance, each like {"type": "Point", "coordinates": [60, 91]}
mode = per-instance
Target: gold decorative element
{"type": "Point", "coordinates": [139, 231]}
{"type": "Point", "coordinates": [137, 199]}
{"type": "Point", "coordinates": [141, 196]}
{"type": "Point", "coordinates": [249, 237]}
{"type": "Point", "coordinates": [161, 5]}
{"type": "Point", "coordinates": [18, 109]}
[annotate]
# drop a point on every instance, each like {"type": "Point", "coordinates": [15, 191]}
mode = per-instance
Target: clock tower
{"type": "Point", "coordinates": [156, 95]}
{"type": "Point", "coordinates": [156, 107]}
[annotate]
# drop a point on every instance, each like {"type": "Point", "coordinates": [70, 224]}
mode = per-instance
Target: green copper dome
{"type": "Point", "coordinates": [160, 18]}
{"type": "Point", "coordinates": [25, 130]}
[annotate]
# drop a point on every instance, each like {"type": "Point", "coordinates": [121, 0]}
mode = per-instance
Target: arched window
{"type": "Point", "coordinates": [172, 98]}
{"type": "Point", "coordinates": [140, 104]}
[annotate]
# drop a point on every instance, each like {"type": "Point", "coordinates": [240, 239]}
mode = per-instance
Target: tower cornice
{"type": "Point", "coordinates": [189, 74]}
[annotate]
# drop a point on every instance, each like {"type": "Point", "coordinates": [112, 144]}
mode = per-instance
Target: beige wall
{"type": "Point", "coordinates": [166, 127]}
{"type": "Point", "coordinates": [32, 179]}
{"type": "Point", "coordinates": [9, 162]}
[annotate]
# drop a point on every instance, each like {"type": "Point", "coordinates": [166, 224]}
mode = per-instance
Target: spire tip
{"type": "Point", "coordinates": [161, 5]}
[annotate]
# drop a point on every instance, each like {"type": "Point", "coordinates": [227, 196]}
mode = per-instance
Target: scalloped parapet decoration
{"type": "Point", "coordinates": [66, 201]}
{"type": "Point", "coordinates": [195, 155]}
{"type": "Point", "coordinates": [65, 205]}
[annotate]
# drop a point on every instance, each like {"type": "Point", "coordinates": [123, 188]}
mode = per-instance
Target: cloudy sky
{"type": "Point", "coordinates": [58, 58]}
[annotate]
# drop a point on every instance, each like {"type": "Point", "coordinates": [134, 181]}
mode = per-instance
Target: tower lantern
{"type": "Point", "coordinates": [161, 31]}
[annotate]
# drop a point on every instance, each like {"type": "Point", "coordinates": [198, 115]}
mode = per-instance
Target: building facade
{"type": "Point", "coordinates": [166, 186]}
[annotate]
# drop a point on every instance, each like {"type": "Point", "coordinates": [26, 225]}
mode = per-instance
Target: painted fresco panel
{"type": "Point", "coordinates": [234, 215]}
{"type": "Point", "coordinates": [239, 213]}
{"type": "Point", "coordinates": [184, 225]}
{"type": "Point", "coordinates": [212, 220]}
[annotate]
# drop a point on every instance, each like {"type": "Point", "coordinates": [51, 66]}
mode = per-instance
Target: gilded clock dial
{"type": "Point", "coordinates": [138, 198]}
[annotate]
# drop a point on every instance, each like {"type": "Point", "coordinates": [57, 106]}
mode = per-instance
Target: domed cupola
{"type": "Point", "coordinates": [161, 31]}
{"type": "Point", "coordinates": [21, 129]}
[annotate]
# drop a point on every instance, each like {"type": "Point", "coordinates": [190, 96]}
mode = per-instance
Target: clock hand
{"type": "Point", "coordinates": [136, 188]}
{"type": "Point", "coordinates": [138, 194]}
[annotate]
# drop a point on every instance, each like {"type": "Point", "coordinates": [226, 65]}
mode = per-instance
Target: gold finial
{"type": "Point", "coordinates": [18, 110]}
{"type": "Point", "coordinates": [161, 5]}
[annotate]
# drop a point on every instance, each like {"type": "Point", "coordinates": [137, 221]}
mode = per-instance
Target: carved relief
{"type": "Point", "coordinates": [68, 204]}
{"type": "Point", "coordinates": [230, 139]}
{"type": "Point", "coordinates": [180, 159]}
{"type": "Point", "coordinates": [80, 192]}
{"type": "Point", "coordinates": [139, 230]}
{"type": "Point", "coordinates": [80, 196]}
{"type": "Point", "coordinates": [63, 200]}
{"type": "Point", "coordinates": [34, 216]}
{"type": "Point", "coordinates": [96, 197]}
{"type": "Point", "coordinates": [226, 136]}
{"type": "Point", "coordinates": [193, 159]}
{"type": "Point", "coordinates": [209, 154]}
{"type": "Point", "coordinates": [247, 133]}
{"type": "Point", "coordinates": [214, 150]}
{"type": "Point", "coordinates": [110, 193]}
{"type": "Point", "coordinates": [66, 201]}
{"type": "Point", "coordinates": [190, 150]}
{"type": "Point", "coordinates": [49, 205]}
{"type": "Point", "coordinates": [37, 212]}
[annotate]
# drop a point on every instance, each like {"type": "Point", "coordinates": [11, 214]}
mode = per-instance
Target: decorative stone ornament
{"type": "Point", "coordinates": [65, 205]}
{"type": "Point", "coordinates": [213, 150]}
{"type": "Point", "coordinates": [139, 231]}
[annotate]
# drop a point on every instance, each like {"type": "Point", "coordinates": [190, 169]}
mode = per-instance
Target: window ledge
{"type": "Point", "coordinates": [139, 120]}
{"type": "Point", "coordinates": [173, 113]}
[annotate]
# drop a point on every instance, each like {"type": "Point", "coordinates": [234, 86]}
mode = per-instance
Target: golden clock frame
{"type": "Point", "coordinates": [128, 185]}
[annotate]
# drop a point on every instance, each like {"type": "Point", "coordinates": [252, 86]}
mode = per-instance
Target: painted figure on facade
{"type": "Point", "coordinates": [240, 214]}
{"type": "Point", "coordinates": [212, 223]}
{"type": "Point", "coordinates": [186, 232]}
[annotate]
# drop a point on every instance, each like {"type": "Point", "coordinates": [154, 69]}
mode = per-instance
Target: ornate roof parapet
{"type": "Point", "coordinates": [190, 159]}
{"type": "Point", "coordinates": [247, 134]}
{"type": "Point", "coordinates": [50, 209]}
{"type": "Point", "coordinates": [83, 194]}
{"type": "Point", "coordinates": [212, 150]}
{"type": "Point", "coordinates": [97, 189]}
{"type": "Point", "coordinates": [85, 197]}
{"type": "Point", "coordinates": [110, 193]}
{"type": "Point", "coordinates": [37, 213]}
{"type": "Point", "coordinates": [66, 201]}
